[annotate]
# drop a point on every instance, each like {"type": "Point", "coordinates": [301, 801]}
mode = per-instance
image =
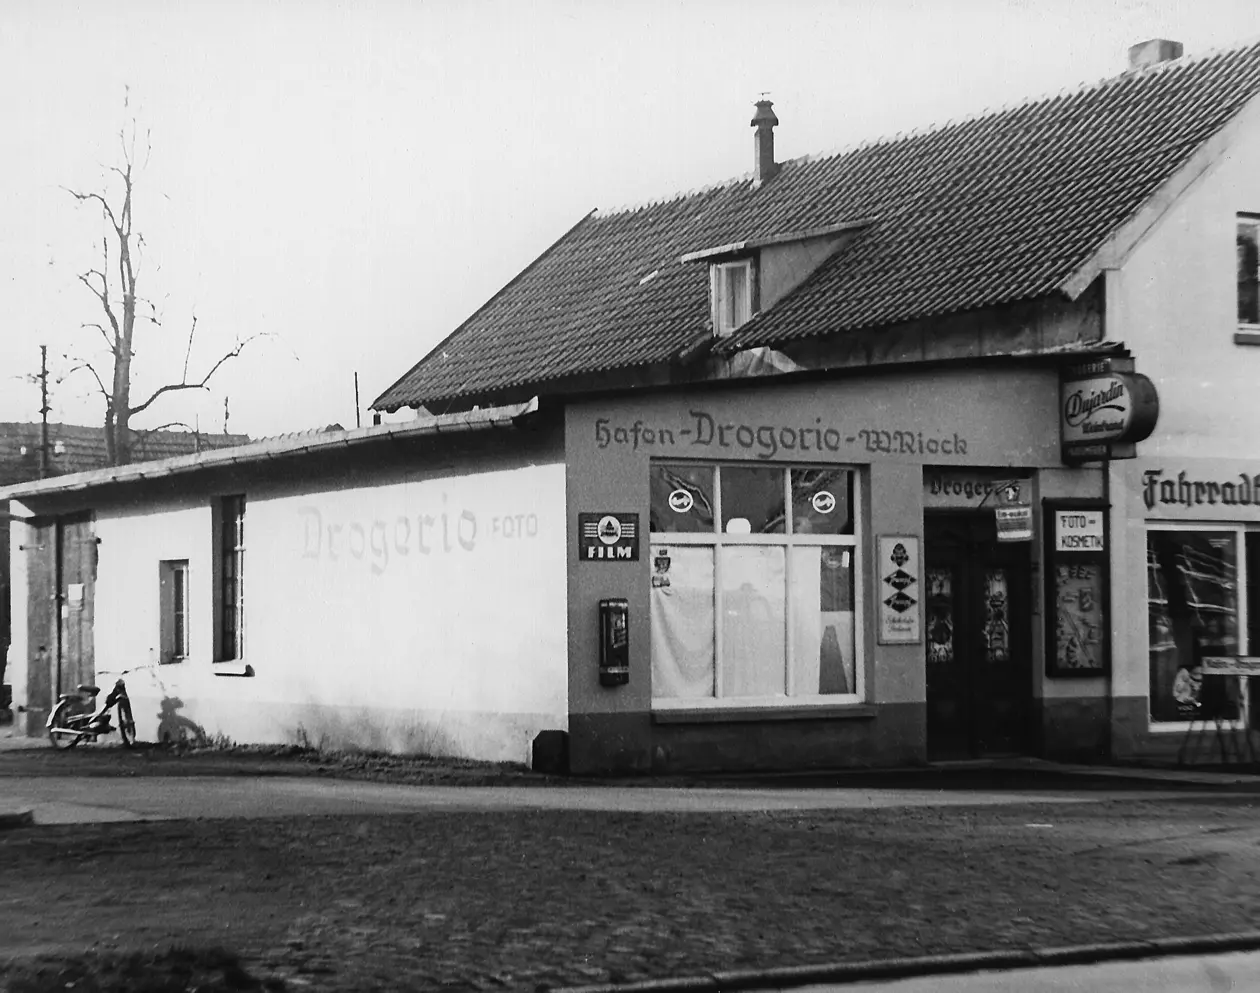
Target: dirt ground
{"type": "Point", "coordinates": [522, 900]}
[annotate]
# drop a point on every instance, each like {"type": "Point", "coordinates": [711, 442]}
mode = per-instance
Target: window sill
{"type": "Point", "coordinates": [233, 668]}
{"type": "Point", "coordinates": [723, 715]}
{"type": "Point", "coordinates": [1247, 334]}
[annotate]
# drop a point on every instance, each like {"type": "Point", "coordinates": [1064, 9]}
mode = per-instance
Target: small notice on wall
{"type": "Point", "coordinates": [607, 536]}
{"type": "Point", "coordinates": [899, 590]}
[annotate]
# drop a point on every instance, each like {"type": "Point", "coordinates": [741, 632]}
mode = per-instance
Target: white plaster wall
{"type": "Point", "coordinates": [420, 616]}
{"type": "Point", "coordinates": [1174, 303]}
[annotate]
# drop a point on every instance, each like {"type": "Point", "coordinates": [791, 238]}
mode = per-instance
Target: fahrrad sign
{"type": "Point", "coordinates": [1103, 414]}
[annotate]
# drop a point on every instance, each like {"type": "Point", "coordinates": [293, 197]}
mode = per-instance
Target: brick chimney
{"type": "Point", "coordinates": [1157, 50]}
{"type": "Point", "coordinates": [764, 121]}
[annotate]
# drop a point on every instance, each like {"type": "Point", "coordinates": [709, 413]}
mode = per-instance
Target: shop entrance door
{"type": "Point", "coordinates": [978, 639]}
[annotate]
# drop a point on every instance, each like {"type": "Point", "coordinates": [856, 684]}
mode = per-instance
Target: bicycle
{"type": "Point", "coordinates": [70, 723]}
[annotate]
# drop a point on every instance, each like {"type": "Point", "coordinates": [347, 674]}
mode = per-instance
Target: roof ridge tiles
{"type": "Point", "coordinates": [936, 127]}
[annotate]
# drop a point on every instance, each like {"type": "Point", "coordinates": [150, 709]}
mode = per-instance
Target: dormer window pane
{"type": "Point", "coordinates": [732, 296]}
{"type": "Point", "coordinates": [1248, 271]}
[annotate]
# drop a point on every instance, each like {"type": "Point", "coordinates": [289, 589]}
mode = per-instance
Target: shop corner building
{"type": "Point", "coordinates": [941, 447]}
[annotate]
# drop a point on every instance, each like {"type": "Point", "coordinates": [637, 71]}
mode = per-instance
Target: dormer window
{"type": "Point", "coordinates": [732, 292]}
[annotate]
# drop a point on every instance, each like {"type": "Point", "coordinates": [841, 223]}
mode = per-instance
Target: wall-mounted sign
{"type": "Point", "coordinates": [899, 590]}
{"type": "Point", "coordinates": [1078, 531]}
{"type": "Point", "coordinates": [1077, 631]}
{"type": "Point", "coordinates": [608, 537]}
{"type": "Point", "coordinates": [1103, 413]}
{"type": "Point", "coordinates": [949, 489]}
{"type": "Point", "coordinates": [1230, 665]}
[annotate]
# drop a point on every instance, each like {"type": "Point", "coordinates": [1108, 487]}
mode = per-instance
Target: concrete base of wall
{"type": "Point", "coordinates": [1074, 730]}
{"type": "Point", "coordinates": [883, 735]}
{"type": "Point", "coordinates": [1132, 738]}
{"type": "Point", "coordinates": [492, 737]}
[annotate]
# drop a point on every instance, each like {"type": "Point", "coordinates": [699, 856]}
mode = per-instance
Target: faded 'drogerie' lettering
{"type": "Point", "coordinates": [379, 540]}
{"type": "Point", "coordinates": [766, 441]}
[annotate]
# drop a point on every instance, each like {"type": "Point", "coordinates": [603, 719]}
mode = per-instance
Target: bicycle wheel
{"type": "Point", "coordinates": [58, 733]}
{"type": "Point", "coordinates": [126, 724]}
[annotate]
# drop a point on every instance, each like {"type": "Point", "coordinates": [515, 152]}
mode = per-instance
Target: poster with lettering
{"type": "Point", "coordinates": [899, 590]}
{"type": "Point", "coordinates": [1078, 595]}
{"type": "Point", "coordinates": [1076, 589]}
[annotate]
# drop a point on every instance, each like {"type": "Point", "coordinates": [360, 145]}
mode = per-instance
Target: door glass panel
{"type": "Point", "coordinates": [822, 501]}
{"type": "Point", "coordinates": [997, 627]}
{"type": "Point", "coordinates": [752, 501]}
{"type": "Point", "coordinates": [940, 612]}
{"type": "Point", "coordinates": [822, 621]}
{"type": "Point", "coordinates": [682, 499]}
{"type": "Point", "coordinates": [754, 641]}
{"type": "Point", "coordinates": [682, 621]}
{"type": "Point", "coordinates": [1192, 610]}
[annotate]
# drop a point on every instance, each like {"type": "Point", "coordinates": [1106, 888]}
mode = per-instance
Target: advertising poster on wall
{"type": "Point", "coordinates": [900, 575]}
{"type": "Point", "coordinates": [1077, 591]}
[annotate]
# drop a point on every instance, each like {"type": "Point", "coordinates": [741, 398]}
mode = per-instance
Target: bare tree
{"type": "Point", "coordinates": [115, 285]}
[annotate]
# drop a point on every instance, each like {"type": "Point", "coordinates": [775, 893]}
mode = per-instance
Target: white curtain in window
{"type": "Point", "coordinates": [682, 622]}
{"type": "Point", "coordinates": [754, 639]}
{"type": "Point", "coordinates": [822, 636]}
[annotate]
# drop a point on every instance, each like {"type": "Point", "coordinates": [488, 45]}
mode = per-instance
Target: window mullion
{"type": "Point", "coordinates": [718, 600]}
{"type": "Point", "coordinates": [789, 682]}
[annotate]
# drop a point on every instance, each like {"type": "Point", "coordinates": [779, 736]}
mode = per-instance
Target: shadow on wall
{"type": "Point", "coordinates": [338, 730]}
{"type": "Point", "coordinates": [174, 728]}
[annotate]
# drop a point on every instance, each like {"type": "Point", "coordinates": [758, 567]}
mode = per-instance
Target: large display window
{"type": "Point", "coordinates": [1203, 598]}
{"type": "Point", "coordinates": [753, 591]}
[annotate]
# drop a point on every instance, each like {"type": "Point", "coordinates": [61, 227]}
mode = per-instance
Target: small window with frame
{"type": "Point", "coordinates": [732, 286]}
{"type": "Point", "coordinates": [173, 623]}
{"type": "Point", "coordinates": [1248, 256]}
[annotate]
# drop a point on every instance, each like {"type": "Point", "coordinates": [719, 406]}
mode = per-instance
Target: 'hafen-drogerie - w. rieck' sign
{"type": "Point", "coordinates": [1102, 414]}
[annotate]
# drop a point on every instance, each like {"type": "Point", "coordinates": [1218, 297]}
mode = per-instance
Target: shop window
{"type": "Point", "coordinates": [1192, 610]}
{"type": "Point", "coordinates": [753, 597]}
{"type": "Point", "coordinates": [732, 292]}
{"type": "Point", "coordinates": [231, 599]}
{"type": "Point", "coordinates": [173, 615]}
{"type": "Point", "coordinates": [1248, 247]}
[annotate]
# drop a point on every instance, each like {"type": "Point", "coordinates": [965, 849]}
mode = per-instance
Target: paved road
{"type": "Point", "coordinates": [67, 799]}
{"type": "Point", "coordinates": [1238, 972]}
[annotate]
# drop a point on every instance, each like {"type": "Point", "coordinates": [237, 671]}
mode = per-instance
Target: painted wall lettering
{"type": "Point", "coordinates": [1187, 492]}
{"type": "Point", "coordinates": [766, 441]}
{"type": "Point", "coordinates": [420, 534]}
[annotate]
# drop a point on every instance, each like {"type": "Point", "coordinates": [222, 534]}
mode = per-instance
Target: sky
{"type": "Point", "coordinates": [341, 184]}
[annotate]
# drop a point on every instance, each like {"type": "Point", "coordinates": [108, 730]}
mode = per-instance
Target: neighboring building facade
{"type": "Point", "coordinates": [831, 465]}
{"type": "Point", "coordinates": [29, 451]}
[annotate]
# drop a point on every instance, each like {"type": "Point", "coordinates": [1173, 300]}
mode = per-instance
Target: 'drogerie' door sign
{"type": "Point", "coordinates": [608, 536]}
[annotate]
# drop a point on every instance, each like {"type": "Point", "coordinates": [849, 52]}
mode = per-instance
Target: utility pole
{"type": "Point", "coordinates": [358, 421]}
{"type": "Point", "coordinates": [43, 411]}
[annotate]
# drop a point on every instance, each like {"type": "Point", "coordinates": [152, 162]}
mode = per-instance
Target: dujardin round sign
{"type": "Point", "coordinates": [1101, 416]}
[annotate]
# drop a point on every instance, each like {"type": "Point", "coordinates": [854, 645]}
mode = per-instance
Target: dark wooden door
{"type": "Point", "coordinates": [40, 548]}
{"type": "Point", "coordinates": [978, 643]}
{"type": "Point", "coordinates": [76, 592]}
{"type": "Point", "coordinates": [61, 578]}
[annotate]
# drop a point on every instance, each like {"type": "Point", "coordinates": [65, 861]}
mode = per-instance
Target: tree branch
{"type": "Point", "coordinates": [185, 385]}
{"type": "Point", "coordinates": [84, 364]}
{"type": "Point", "coordinates": [109, 211]}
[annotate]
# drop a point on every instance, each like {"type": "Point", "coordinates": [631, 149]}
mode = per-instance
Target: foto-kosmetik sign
{"type": "Point", "coordinates": [1101, 416]}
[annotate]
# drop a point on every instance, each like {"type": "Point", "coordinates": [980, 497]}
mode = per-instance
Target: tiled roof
{"type": "Point", "coordinates": [1002, 207]}
{"type": "Point", "coordinates": [78, 448]}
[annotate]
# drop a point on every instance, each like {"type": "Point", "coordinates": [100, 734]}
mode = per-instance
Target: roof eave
{"type": "Point", "coordinates": [264, 451]}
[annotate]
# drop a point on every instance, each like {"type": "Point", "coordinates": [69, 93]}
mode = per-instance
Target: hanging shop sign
{"type": "Point", "coordinates": [1104, 412]}
{"type": "Point", "coordinates": [607, 536]}
{"type": "Point", "coordinates": [899, 590]}
{"type": "Point", "coordinates": [1077, 607]}
{"type": "Point", "coordinates": [1013, 513]}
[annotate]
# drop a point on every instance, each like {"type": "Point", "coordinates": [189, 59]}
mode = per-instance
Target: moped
{"type": "Point", "coordinates": [74, 719]}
